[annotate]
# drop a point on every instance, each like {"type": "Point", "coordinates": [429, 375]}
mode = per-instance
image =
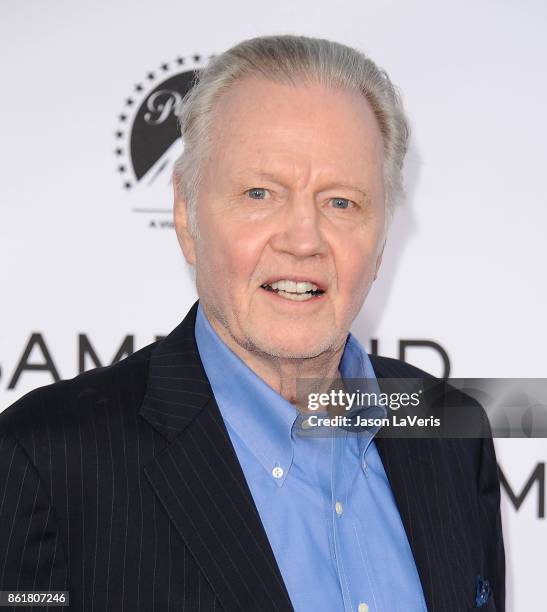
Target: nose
{"type": "Point", "coordinates": [300, 232]}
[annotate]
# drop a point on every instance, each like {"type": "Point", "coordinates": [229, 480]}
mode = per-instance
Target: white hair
{"type": "Point", "coordinates": [290, 60]}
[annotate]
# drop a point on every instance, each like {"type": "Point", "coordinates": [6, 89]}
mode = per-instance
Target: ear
{"type": "Point", "coordinates": [182, 228]}
{"type": "Point", "coordinates": [379, 261]}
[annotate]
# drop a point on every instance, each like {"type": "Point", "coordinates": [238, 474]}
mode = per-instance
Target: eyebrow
{"type": "Point", "coordinates": [331, 186]}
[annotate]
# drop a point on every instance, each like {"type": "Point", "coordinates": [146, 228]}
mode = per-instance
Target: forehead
{"type": "Point", "coordinates": [259, 122]}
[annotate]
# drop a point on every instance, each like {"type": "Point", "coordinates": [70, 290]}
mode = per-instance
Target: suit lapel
{"type": "Point", "coordinates": [199, 480]}
{"type": "Point", "coordinates": [411, 467]}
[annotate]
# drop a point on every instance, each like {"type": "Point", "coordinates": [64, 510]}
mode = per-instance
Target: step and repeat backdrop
{"type": "Point", "coordinates": [90, 265]}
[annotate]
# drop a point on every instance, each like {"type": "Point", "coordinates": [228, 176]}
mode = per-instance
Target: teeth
{"type": "Point", "coordinates": [292, 290]}
{"type": "Point", "coordinates": [293, 287]}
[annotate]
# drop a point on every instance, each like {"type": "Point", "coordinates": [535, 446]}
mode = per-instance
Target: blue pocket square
{"type": "Point", "coordinates": [483, 591]}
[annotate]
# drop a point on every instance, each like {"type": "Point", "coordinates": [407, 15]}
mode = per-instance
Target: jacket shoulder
{"type": "Point", "coordinates": [69, 400]}
{"type": "Point", "coordinates": [387, 367]}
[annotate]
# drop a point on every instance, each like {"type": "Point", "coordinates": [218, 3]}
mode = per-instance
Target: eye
{"type": "Point", "coordinates": [257, 193]}
{"type": "Point", "coordinates": [341, 203]}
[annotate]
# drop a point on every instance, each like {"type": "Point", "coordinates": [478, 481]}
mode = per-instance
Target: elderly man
{"type": "Point", "coordinates": [178, 479]}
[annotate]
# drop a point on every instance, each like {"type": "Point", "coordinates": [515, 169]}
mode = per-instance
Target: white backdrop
{"type": "Point", "coordinates": [464, 264]}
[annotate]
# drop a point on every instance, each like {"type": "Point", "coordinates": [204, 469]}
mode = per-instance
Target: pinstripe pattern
{"type": "Point", "coordinates": [122, 486]}
{"type": "Point", "coordinates": [448, 495]}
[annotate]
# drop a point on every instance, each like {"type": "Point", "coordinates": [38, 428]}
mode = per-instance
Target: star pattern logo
{"type": "Point", "coordinates": [129, 141]}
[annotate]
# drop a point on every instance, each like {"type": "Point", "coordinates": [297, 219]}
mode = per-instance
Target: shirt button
{"type": "Point", "coordinates": [277, 472]}
{"type": "Point", "coordinates": [338, 507]}
{"type": "Point", "coordinates": [362, 607]}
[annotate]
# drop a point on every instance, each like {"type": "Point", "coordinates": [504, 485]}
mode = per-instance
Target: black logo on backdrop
{"type": "Point", "coordinates": [537, 477]}
{"type": "Point", "coordinates": [147, 138]}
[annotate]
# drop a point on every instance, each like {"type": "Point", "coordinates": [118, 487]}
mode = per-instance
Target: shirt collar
{"type": "Point", "coordinates": [261, 418]}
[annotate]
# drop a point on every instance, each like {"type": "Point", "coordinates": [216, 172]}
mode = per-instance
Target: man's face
{"type": "Point", "coordinates": [290, 217]}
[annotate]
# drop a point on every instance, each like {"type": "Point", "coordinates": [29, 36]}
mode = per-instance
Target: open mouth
{"type": "Point", "coordinates": [298, 291]}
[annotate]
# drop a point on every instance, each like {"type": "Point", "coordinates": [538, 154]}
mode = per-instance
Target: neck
{"type": "Point", "coordinates": [282, 373]}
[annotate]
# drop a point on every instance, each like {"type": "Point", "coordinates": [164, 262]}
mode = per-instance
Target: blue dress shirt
{"type": "Point", "coordinates": [324, 500]}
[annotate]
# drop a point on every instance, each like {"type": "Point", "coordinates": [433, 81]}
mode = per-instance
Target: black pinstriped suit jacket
{"type": "Point", "coordinates": [121, 486]}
